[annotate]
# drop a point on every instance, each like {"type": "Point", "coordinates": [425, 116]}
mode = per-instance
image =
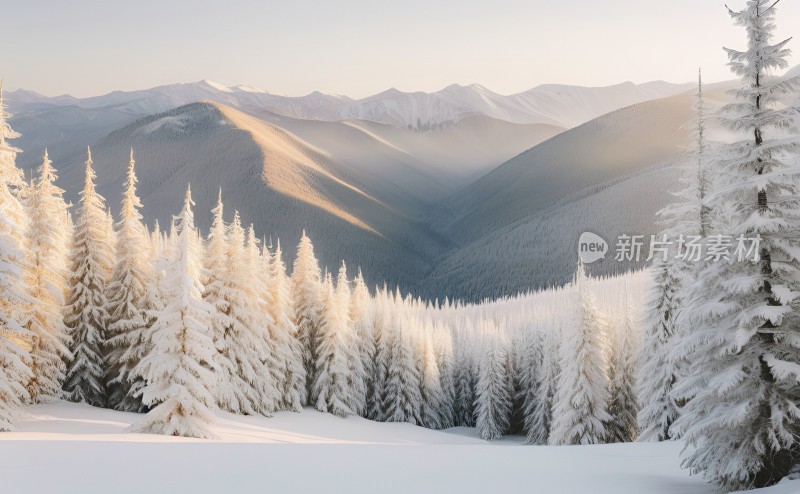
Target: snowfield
{"type": "Point", "coordinates": [316, 452]}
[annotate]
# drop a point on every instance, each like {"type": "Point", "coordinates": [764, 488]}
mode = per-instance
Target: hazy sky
{"type": "Point", "coordinates": [355, 47]}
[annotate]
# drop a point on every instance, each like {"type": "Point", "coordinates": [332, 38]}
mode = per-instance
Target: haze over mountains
{"type": "Point", "coordinates": [462, 192]}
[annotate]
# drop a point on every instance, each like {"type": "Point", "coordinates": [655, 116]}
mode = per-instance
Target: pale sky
{"type": "Point", "coordinates": [361, 47]}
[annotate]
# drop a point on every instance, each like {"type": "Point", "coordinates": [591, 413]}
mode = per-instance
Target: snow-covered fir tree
{"type": "Point", "coordinates": [49, 233]}
{"type": "Point", "coordinates": [493, 394]}
{"type": "Point", "coordinates": [130, 302]}
{"type": "Point", "coordinates": [376, 390]}
{"type": "Point", "coordinates": [443, 348]}
{"type": "Point", "coordinates": [742, 419]}
{"type": "Point", "coordinates": [178, 369]}
{"type": "Point", "coordinates": [86, 313]}
{"type": "Point", "coordinates": [623, 405]}
{"type": "Point", "coordinates": [430, 380]}
{"type": "Point", "coordinates": [332, 390]}
{"type": "Point", "coordinates": [361, 318]}
{"type": "Point", "coordinates": [307, 296]}
{"type": "Point", "coordinates": [580, 405]}
{"type": "Point", "coordinates": [15, 340]}
{"type": "Point", "coordinates": [466, 377]}
{"type": "Point", "coordinates": [402, 398]}
{"type": "Point", "coordinates": [538, 420]}
{"type": "Point", "coordinates": [285, 334]}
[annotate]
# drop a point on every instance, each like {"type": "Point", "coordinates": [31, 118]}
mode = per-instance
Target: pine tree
{"type": "Point", "coordinates": [539, 421]}
{"type": "Point", "coordinates": [48, 237]}
{"type": "Point", "coordinates": [657, 373]}
{"type": "Point", "coordinates": [15, 340]}
{"type": "Point", "coordinates": [268, 372]}
{"type": "Point", "coordinates": [742, 419]}
{"type": "Point", "coordinates": [431, 390]}
{"type": "Point", "coordinates": [623, 406]}
{"type": "Point", "coordinates": [285, 334]}
{"type": "Point", "coordinates": [332, 390]}
{"type": "Point", "coordinates": [579, 407]}
{"type": "Point", "coordinates": [494, 391]}
{"type": "Point", "coordinates": [443, 347]}
{"type": "Point", "coordinates": [86, 314]}
{"type": "Point", "coordinates": [178, 368]}
{"type": "Point", "coordinates": [465, 382]}
{"type": "Point", "coordinates": [402, 399]}
{"type": "Point", "coordinates": [229, 397]}
{"type": "Point", "coordinates": [361, 318]}
{"type": "Point", "coordinates": [376, 390]}
{"type": "Point", "coordinates": [130, 302]}
{"type": "Point", "coordinates": [307, 296]}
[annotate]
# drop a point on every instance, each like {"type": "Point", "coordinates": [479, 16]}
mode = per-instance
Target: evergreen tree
{"type": "Point", "coordinates": [493, 396]}
{"type": "Point", "coordinates": [742, 419]}
{"type": "Point", "coordinates": [431, 390]}
{"type": "Point", "coordinates": [579, 407]}
{"type": "Point", "coordinates": [465, 383]}
{"type": "Point", "coordinates": [623, 405]}
{"type": "Point", "coordinates": [539, 421]}
{"type": "Point", "coordinates": [656, 372]}
{"type": "Point", "coordinates": [129, 302]}
{"type": "Point", "coordinates": [178, 368]}
{"type": "Point", "coordinates": [361, 319]}
{"type": "Point", "coordinates": [402, 399]}
{"type": "Point", "coordinates": [332, 390]}
{"type": "Point", "coordinates": [86, 314]}
{"type": "Point", "coordinates": [376, 391]}
{"type": "Point", "coordinates": [50, 229]}
{"type": "Point", "coordinates": [285, 334]}
{"type": "Point", "coordinates": [15, 340]}
{"type": "Point", "coordinates": [307, 296]}
{"type": "Point", "coordinates": [443, 347]}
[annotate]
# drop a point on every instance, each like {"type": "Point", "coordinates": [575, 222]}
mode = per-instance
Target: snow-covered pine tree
{"type": "Point", "coordinates": [742, 419]}
{"type": "Point", "coordinates": [15, 340]}
{"type": "Point", "coordinates": [332, 391]}
{"type": "Point", "coordinates": [466, 377]}
{"type": "Point", "coordinates": [285, 334]}
{"type": "Point", "coordinates": [376, 392]}
{"type": "Point", "coordinates": [581, 401]}
{"type": "Point", "coordinates": [130, 302]}
{"type": "Point", "coordinates": [690, 215]}
{"type": "Point", "coordinates": [49, 232]}
{"type": "Point", "coordinates": [431, 385]}
{"type": "Point", "coordinates": [493, 394]}
{"type": "Point", "coordinates": [307, 296]}
{"type": "Point", "coordinates": [270, 372]}
{"type": "Point", "coordinates": [86, 313]}
{"type": "Point", "coordinates": [443, 347]}
{"type": "Point", "coordinates": [530, 363]}
{"type": "Point", "coordinates": [178, 371]}
{"type": "Point", "coordinates": [623, 405]}
{"type": "Point", "coordinates": [361, 318]}
{"type": "Point", "coordinates": [402, 399]}
{"type": "Point", "coordinates": [228, 396]}
{"type": "Point", "coordinates": [538, 423]}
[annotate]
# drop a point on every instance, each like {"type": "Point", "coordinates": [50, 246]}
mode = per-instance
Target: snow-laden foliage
{"type": "Point", "coordinates": [179, 369]}
{"type": "Point", "coordinates": [49, 235]}
{"type": "Point", "coordinates": [741, 418]}
{"type": "Point", "coordinates": [307, 296]}
{"type": "Point", "coordinates": [130, 300]}
{"type": "Point", "coordinates": [86, 316]}
{"type": "Point", "coordinates": [580, 407]}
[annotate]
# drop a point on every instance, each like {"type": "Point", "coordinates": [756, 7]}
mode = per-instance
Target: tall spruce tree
{"type": "Point", "coordinates": [15, 340]}
{"type": "Point", "coordinates": [742, 419]}
{"type": "Point", "coordinates": [178, 369]}
{"type": "Point", "coordinates": [580, 406]}
{"type": "Point", "coordinates": [494, 390]}
{"type": "Point", "coordinates": [307, 296]}
{"type": "Point", "coordinates": [130, 302]}
{"type": "Point", "coordinates": [49, 232]}
{"type": "Point", "coordinates": [86, 314]}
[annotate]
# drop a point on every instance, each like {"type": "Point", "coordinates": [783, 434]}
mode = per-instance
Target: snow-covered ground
{"type": "Point", "coordinates": [65, 448]}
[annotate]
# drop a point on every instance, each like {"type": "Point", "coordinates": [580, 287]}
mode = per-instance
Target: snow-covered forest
{"type": "Point", "coordinates": [175, 324]}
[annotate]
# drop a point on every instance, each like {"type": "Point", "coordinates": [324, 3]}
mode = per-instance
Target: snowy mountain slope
{"type": "Point", "coordinates": [560, 105]}
{"type": "Point", "coordinates": [280, 183]}
{"type": "Point", "coordinates": [518, 226]}
{"type": "Point", "coordinates": [620, 143]}
{"type": "Point", "coordinates": [426, 166]}
{"type": "Point", "coordinates": [348, 455]}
